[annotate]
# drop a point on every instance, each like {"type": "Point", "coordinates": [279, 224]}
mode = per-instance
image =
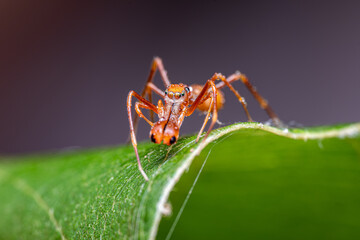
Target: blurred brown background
{"type": "Point", "coordinates": [66, 67]}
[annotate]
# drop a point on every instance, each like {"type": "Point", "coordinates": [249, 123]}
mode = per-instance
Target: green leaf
{"type": "Point", "coordinates": [259, 182]}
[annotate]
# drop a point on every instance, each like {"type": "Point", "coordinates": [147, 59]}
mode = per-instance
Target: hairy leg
{"type": "Point", "coordinates": [262, 101]}
{"type": "Point", "coordinates": [225, 82]}
{"type": "Point", "coordinates": [148, 105]}
{"type": "Point", "coordinates": [204, 95]}
{"type": "Point", "coordinates": [150, 87]}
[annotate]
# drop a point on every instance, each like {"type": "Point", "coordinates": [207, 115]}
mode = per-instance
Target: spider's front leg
{"type": "Point", "coordinates": [143, 103]}
{"type": "Point", "coordinates": [203, 96]}
{"type": "Point", "coordinates": [225, 82]}
{"type": "Point", "coordinates": [156, 64]}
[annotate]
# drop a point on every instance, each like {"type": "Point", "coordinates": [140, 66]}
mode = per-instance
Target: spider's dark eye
{"type": "Point", "coordinates": [153, 138]}
{"type": "Point", "coordinates": [183, 93]}
{"type": "Point", "coordinates": [187, 89]}
{"type": "Point", "coordinates": [166, 92]}
{"type": "Point", "coordinates": [172, 140]}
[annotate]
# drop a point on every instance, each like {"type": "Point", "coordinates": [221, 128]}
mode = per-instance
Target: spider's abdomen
{"type": "Point", "coordinates": [204, 107]}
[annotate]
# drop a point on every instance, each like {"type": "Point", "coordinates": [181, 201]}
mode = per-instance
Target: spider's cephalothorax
{"type": "Point", "coordinates": [166, 129]}
{"type": "Point", "coordinates": [181, 101]}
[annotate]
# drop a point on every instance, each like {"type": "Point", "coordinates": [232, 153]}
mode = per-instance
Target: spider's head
{"type": "Point", "coordinates": [166, 130]}
{"type": "Point", "coordinates": [177, 93]}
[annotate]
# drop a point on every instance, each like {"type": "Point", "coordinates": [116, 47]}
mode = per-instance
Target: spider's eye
{"type": "Point", "coordinates": [153, 138]}
{"type": "Point", "coordinates": [183, 93]}
{"type": "Point", "coordinates": [187, 89]}
{"type": "Point", "coordinates": [177, 95]}
{"type": "Point", "coordinates": [166, 92]}
{"type": "Point", "coordinates": [172, 140]}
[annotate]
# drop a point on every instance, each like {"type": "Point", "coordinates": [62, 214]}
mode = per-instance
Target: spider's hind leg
{"type": "Point", "coordinates": [262, 101]}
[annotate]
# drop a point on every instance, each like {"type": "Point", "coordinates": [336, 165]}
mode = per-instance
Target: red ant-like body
{"type": "Point", "coordinates": [181, 101]}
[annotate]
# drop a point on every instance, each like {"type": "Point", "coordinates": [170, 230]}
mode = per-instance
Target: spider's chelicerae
{"type": "Point", "coordinates": [180, 101]}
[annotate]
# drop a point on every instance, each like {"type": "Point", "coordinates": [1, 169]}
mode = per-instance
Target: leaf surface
{"type": "Point", "coordinates": [259, 182]}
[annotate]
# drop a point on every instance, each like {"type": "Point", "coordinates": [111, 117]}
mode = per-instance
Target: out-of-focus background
{"type": "Point", "coordinates": [66, 67]}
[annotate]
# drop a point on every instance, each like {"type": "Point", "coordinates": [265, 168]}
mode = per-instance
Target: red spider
{"type": "Point", "coordinates": [181, 101]}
